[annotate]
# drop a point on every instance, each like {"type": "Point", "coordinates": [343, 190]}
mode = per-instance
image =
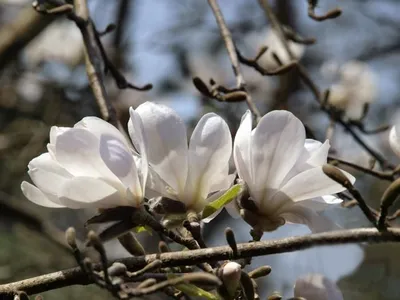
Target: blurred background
{"type": "Point", "coordinates": [166, 43]}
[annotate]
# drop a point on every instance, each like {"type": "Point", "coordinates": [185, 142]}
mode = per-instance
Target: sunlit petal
{"type": "Point", "coordinates": [276, 144]}
{"type": "Point", "coordinates": [209, 152]}
{"type": "Point", "coordinates": [165, 135]}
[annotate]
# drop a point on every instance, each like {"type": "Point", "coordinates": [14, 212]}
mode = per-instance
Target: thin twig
{"type": "Point", "coordinates": [230, 47]}
{"type": "Point", "coordinates": [389, 176]}
{"type": "Point", "coordinates": [15, 35]}
{"type": "Point", "coordinates": [388, 199]}
{"type": "Point", "coordinates": [76, 276]}
{"type": "Point", "coordinates": [318, 95]}
{"type": "Point", "coordinates": [332, 14]}
{"type": "Point", "coordinates": [94, 61]}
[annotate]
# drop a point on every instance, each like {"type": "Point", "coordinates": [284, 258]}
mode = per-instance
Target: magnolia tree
{"type": "Point", "coordinates": [153, 179]}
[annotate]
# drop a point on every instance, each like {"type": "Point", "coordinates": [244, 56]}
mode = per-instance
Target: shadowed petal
{"type": "Point", "coordinates": [302, 215]}
{"type": "Point", "coordinates": [120, 161]}
{"type": "Point", "coordinates": [136, 132]}
{"type": "Point", "coordinates": [312, 183]}
{"type": "Point", "coordinates": [242, 148]}
{"type": "Point", "coordinates": [81, 192]}
{"type": "Point", "coordinates": [78, 151]}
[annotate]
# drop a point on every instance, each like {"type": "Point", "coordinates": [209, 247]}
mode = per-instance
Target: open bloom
{"type": "Point", "coordinates": [89, 165]}
{"type": "Point", "coordinates": [283, 172]}
{"type": "Point", "coordinates": [394, 139]}
{"type": "Point", "coordinates": [355, 88]}
{"type": "Point", "coordinates": [275, 45]}
{"type": "Point", "coordinates": [188, 174]}
{"type": "Point", "coordinates": [317, 287]}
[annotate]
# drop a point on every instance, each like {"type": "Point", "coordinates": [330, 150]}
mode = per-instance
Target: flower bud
{"type": "Point", "coordinates": [336, 175]}
{"type": "Point", "coordinates": [70, 235]}
{"type": "Point", "coordinates": [230, 275]}
{"type": "Point", "coordinates": [117, 269]}
{"type": "Point", "coordinates": [260, 272]}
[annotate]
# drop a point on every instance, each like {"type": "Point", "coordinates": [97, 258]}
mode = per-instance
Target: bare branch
{"type": "Point", "coordinates": [76, 276]}
{"type": "Point", "coordinates": [230, 47]}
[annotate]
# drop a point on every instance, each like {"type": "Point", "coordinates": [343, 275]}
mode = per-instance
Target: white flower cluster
{"type": "Point", "coordinates": [355, 87]}
{"type": "Point", "coordinates": [93, 165]}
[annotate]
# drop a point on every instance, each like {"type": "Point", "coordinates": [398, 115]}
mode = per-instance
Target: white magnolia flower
{"type": "Point", "coordinates": [89, 165]}
{"type": "Point", "coordinates": [317, 287]}
{"type": "Point", "coordinates": [274, 44]}
{"type": "Point", "coordinates": [394, 139]}
{"type": "Point", "coordinates": [188, 174]}
{"type": "Point", "coordinates": [355, 88]}
{"type": "Point", "coordinates": [283, 172]}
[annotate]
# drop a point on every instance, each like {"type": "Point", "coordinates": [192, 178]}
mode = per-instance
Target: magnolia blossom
{"type": "Point", "coordinates": [89, 165]}
{"type": "Point", "coordinates": [355, 88]}
{"type": "Point", "coordinates": [283, 172]}
{"type": "Point", "coordinates": [317, 287]}
{"type": "Point", "coordinates": [394, 139]}
{"type": "Point", "coordinates": [188, 174]}
{"type": "Point", "coordinates": [275, 45]}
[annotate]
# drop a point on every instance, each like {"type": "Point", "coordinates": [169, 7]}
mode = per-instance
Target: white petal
{"type": "Point", "coordinates": [167, 150]}
{"type": "Point", "coordinates": [277, 142]}
{"type": "Point", "coordinates": [119, 160]}
{"type": "Point", "coordinates": [37, 196]}
{"type": "Point", "coordinates": [320, 203]}
{"type": "Point", "coordinates": [78, 151]}
{"type": "Point", "coordinates": [136, 132]}
{"type": "Point", "coordinates": [394, 139]}
{"type": "Point", "coordinates": [318, 153]}
{"type": "Point", "coordinates": [302, 215]}
{"type": "Point", "coordinates": [55, 131]}
{"type": "Point", "coordinates": [47, 163]}
{"type": "Point", "coordinates": [314, 154]}
{"type": "Point", "coordinates": [222, 182]}
{"type": "Point", "coordinates": [209, 153]}
{"type": "Point", "coordinates": [312, 183]}
{"type": "Point", "coordinates": [242, 150]}
{"type": "Point", "coordinates": [81, 192]}
{"type": "Point", "coordinates": [156, 186]}
{"type": "Point", "coordinates": [47, 182]}
{"type": "Point", "coordinates": [317, 287]}
{"type": "Point", "coordinates": [312, 145]}
{"type": "Point", "coordinates": [99, 127]}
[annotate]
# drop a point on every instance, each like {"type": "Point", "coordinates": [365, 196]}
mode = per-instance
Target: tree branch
{"type": "Point", "coordinates": [16, 35]}
{"type": "Point", "coordinates": [231, 48]}
{"type": "Point", "coordinates": [93, 62]}
{"type": "Point", "coordinates": [75, 276]}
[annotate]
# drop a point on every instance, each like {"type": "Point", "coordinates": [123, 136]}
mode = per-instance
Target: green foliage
{"type": "Point", "coordinates": [217, 204]}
